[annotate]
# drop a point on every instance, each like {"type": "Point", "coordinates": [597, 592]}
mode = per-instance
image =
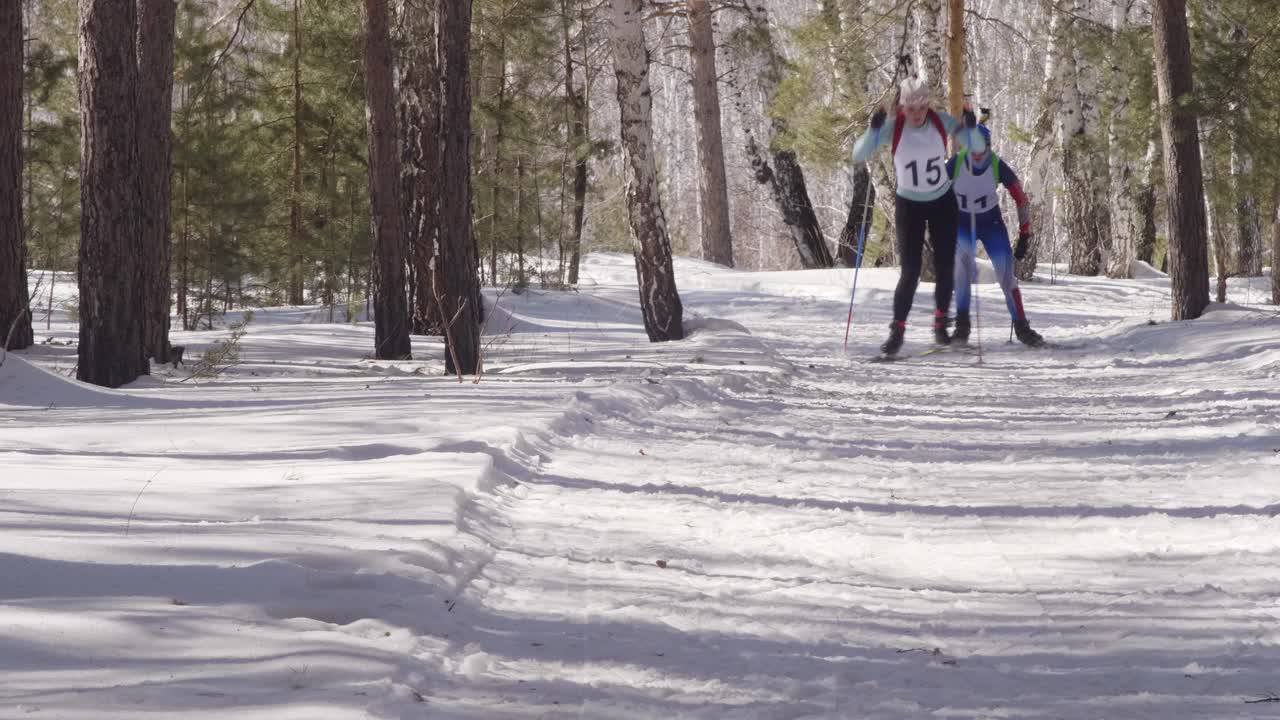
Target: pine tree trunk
{"type": "Point", "coordinates": [420, 160]}
{"type": "Point", "coordinates": [498, 176]}
{"type": "Point", "coordinates": [785, 177]}
{"type": "Point", "coordinates": [1188, 247]}
{"type": "Point", "coordinates": [576, 120]}
{"type": "Point", "coordinates": [717, 242]}
{"type": "Point", "coordinates": [155, 168]}
{"type": "Point", "coordinates": [110, 352]}
{"type": "Point", "coordinates": [659, 300]}
{"type": "Point", "coordinates": [391, 312]}
{"type": "Point", "coordinates": [1275, 250]}
{"type": "Point", "coordinates": [460, 288]}
{"type": "Point", "coordinates": [294, 272]}
{"type": "Point", "coordinates": [15, 311]}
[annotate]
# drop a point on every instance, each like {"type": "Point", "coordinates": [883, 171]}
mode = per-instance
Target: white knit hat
{"type": "Point", "coordinates": [915, 91]}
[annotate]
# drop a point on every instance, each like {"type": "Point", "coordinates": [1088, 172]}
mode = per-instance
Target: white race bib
{"type": "Point", "coordinates": [921, 159]}
{"type": "Point", "coordinates": [974, 193]}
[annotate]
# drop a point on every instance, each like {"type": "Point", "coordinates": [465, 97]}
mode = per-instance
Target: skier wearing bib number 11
{"type": "Point", "coordinates": [918, 137]}
{"type": "Point", "coordinates": [975, 176]}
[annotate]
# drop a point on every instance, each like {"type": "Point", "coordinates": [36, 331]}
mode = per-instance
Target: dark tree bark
{"type": "Point", "coordinates": [861, 212]}
{"type": "Point", "coordinates": [294, 272]}
{"type": "Point", "coordinates": [1188, 244]}
{"type": "Point", "coordinates": [420, 161]}
{"type": "Point", "coordinates": [110, 352]}
{"type": "Point", "coordinates": [659, 300]}
{"type": "Point", "coordinates": [576, 119]}
{"type": "Point", "coordinates": [459, 287]}
{"type": "Point", "coordinates": [391, 312]}
{"type": "Point", "coordinates": [155, 168]}
{"type": "Point", "coordinates": [717, 242]}
{"type": "Point", "coordinates": [15, 311]}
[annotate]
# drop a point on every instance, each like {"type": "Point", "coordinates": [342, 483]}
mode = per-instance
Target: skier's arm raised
{"type": "Point", "coordinates": [879, 133]}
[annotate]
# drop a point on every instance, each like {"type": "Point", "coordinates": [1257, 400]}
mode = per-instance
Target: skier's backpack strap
{"type": "Point", "coordinates": [995, 167]}
{"type": "Point", "coordinates": [899, 122]}
{"type": "Point", "coordinates": [942, 129]}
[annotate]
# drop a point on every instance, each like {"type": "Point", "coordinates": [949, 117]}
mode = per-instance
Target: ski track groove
{"type": "Point", "coordinates": [834, 658]}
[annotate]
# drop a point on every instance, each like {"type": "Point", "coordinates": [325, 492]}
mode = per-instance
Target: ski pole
{"type": "Point", "coordinates": [862, 244]}
{"type": "Point", "coordinates": [973, 234]}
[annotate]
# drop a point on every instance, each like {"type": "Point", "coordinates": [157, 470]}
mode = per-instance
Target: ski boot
{"type": "Point", "coordinates": [1026, 335]}
{"type": "Point", "coordinates": [897, 330]}
{"type": "Point", "coordinates": [961, 334]}
{"type": "Point", "coordinates": [940, 335]}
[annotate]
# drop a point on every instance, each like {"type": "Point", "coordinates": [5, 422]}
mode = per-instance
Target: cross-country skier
{"type": "Point", "coordinates": [918, 137]}
{"type": "Point", "coordinates": [975, 174]}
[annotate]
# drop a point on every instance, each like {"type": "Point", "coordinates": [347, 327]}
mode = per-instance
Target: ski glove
{"type": "Point", "coordinates": [970, 120]}
{"type": "Point", "coordinates": [877, 119]}
{"type": "Point", "coordinates": [1024, 243]}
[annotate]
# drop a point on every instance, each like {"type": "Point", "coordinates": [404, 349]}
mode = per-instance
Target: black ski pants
{"type": "Point", "coordinates": [912, 217]}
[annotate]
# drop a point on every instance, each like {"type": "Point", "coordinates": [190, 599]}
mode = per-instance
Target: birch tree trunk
{"type": "Point", "coordinates": [110, 352]}
{"type": "Point", "coordinates": [1085, 178]}
{"type": "Point", "coordinates": [1036, 175]}
{"type": "Point", "coordinates": [1248, 220]}
{"type": "Point", "coordinates": [391, 313]}
{"type": "Point", "coordinates": [15, 313]}
{"type": "Point", "coordinates": [928, 17]}
{"type": "Point", "coordinates": [955, 57]}
{"type": "Point", "coordinates": [420, 156]}
{"type": "Point", "coordinates": [460, 303]}
{"type": "Point", "coordinates": [1188, 248]}
{"type": "Point", "coordinates": [717, 242]}
{"type": "Point", "coordinates": [659, 300]}
{"type": "Point", "coordinates": [784, 177]}
{"type": "Point", "coordinates": [1145, 242]}
{"type": "Point", "coordinates": [155, 39]}
{"type": "Point", "coordinates": [1125, 219]}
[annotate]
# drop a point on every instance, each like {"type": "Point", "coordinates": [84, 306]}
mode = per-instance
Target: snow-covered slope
{"type": "Point", "coordinates": [749, 523]}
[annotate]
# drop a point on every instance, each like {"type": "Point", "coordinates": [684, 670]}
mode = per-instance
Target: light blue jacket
{"type": "Point", "coordinates": [873, 139]}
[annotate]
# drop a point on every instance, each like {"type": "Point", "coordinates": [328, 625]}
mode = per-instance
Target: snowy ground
{"type": "Point", "coordinates": [748, 524]}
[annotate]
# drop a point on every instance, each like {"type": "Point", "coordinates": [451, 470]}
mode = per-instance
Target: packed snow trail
{"type": "Point", "coordinates": [744, 524]}
{"type": "Point", "coordinates": [1061, 534]}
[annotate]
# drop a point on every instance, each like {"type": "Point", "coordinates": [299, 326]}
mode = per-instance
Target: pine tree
{"type": "Point", "coordinates": [459, 284]}
{"type": "Point", "coordinates": [717, 242]}
{"type": "Point", "coordinates": [1189, 264]}
{"type": "Point", "coordinates": [391, 315]}
{"type": "Point", "coordinates": [155, 40]}
{"type": "Point", "coordinates": [110, 350]}
{"type": "Point", "coordinates": [15, 313]}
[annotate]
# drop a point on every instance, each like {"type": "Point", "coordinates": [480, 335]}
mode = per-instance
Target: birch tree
{"type": "Point", "coordinates": [659, 300]}
{"type": "Point", "coordinates": [783, 176]}
{"type": "Point", "coordinates": [1085, 175]}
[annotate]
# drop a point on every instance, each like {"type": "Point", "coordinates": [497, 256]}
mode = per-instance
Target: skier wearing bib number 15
{"type": "Point", "coordinates": [918, 137]}
{"type": "Point", "coordinates": [975, 176]}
